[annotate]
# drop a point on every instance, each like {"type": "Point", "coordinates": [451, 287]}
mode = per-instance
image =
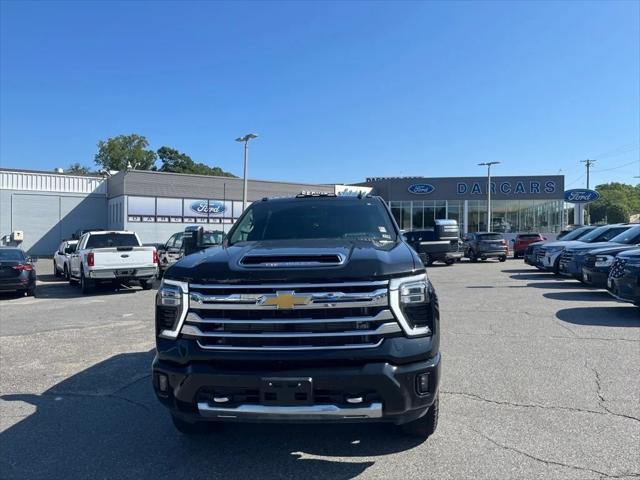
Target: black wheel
{"type": "Point", "coordinates": [425, 425]}
{"type": "Point", "coordinates": [449, 262]}
{"type": "Point", "coordinates": [472, 256]}
{"type": "Point", "coordinates": [556, 266]}
{"type": "Point", "coordinates": [503, 258]}
{"type": "Point", "coordinates": [56, 273]}
{"type": "Point", "coordinates": [31, 291]}
{"type": "Point", "coordinates": [146, 284]}
{"type": "Point", "coordinates": [186, 428]}
{"type": "Point", "coordinates": [86, 285]}
{"type": "Point", "coordinates": [515, 255]}
{"type": "Point", "coordinates": [428, 261]}
{"type": "Point", "coordinates": [66, 273]}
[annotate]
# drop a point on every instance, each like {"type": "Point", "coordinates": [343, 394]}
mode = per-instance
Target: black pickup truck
{"type": "Point", "coordinates": [441, 243]}
{"type": "Point", "coordinates": [314, 309]}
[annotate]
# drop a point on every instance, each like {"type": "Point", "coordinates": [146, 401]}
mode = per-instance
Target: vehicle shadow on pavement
{"type": "Point", "coordinates": [580, 296]}
{"type": "Point", "coordinates": [105, 422]}
{"type": "Point", "coordinates": [561, 285]}
{"type": "Point", "coordinates": [63, 289]}
{"type": "Point", "coordinates": [618, 316]}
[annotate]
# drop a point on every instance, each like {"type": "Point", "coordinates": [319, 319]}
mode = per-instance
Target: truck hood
{"type": "Point", "coordinates": [565, 244]}
{"type": "Point", "coordinates": [583, 247]}
{"type": "Point", "coordinates": [360, 261]}
{"type": "Point", "coordinates": [613, 249]}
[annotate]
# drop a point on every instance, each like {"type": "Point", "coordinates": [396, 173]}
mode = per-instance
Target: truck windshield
{"type": "Point", "coordinates": [577, 233]}
{"type": "Point", "coordinates": [107, 240]}
{"type": "Point", "coordinates": [490, 236]}
{"type": "Point", "coordinates": [315, 218]}
{"type": "Point", "coordinates": [628, 237]}
{"type": "Point", "coordinates": [11, 255]}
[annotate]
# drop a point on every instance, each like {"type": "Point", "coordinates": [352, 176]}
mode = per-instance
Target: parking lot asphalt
{"type": "Point", "coordinates": [541, 379]}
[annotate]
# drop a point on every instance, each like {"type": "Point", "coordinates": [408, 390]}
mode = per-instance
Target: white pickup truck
{"type": "Point", "coordinates": [112, 257]}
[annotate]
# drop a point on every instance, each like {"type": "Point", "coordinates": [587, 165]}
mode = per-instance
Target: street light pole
{"type": "Point", "coordinates": [245, 139]}
{"type": "Point", "coordinates": [488, 165]}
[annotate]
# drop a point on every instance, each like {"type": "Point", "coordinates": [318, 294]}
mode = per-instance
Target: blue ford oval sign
{"type": "Point", "coordinates": [581, 195]}
{"type": "Point", "coordinates": [212, 206]}
{"type": "Point", "coordinates": [421, 188]}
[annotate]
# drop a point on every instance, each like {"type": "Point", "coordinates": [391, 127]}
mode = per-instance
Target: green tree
{"type": "Point", "coordinates": [77, 169]}
{"type": "Point", "coordinates": [125, 152]}
{"type": "Point", "coordinates": [178, 162]}
{"type": "Point", "coordinates": [617, 202]}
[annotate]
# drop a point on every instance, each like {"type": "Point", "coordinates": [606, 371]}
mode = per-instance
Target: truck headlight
{"type": "Point", "coordinates": [172, 304]}
{"type": "Point", "coordinates": [411, 304]}
{"type": "Point", "coordinates": [604, 260]}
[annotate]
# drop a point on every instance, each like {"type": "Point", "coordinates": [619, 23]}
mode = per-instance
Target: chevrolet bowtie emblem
{"type": "Point", "coordinates": [284, 300]}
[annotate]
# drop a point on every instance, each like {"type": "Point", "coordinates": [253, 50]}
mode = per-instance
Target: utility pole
{"type": "Point", "coordinates": [588, 163]}
{"type": "Point", "coordinates": [488, 165]}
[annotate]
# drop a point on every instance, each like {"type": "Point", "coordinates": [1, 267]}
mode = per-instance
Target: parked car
{"type": "Point", "coordinates": [523, 240]}
{"type": "Point", "coordinates": [484, 245]}
{"type": "Point", "coordinates": [548, 255]}
{"type": "Point", "coordinates": [598, 263]}
{"type": "Point", "coordinates": [572, 258]}
{"type": "Point", "coordinates": [175, 248]}
{"type": "Point", "coordinates": [624, 277]}
{"type": "Point", "coordinates": [17, 271]}
{"type": "Point", "coordinates": [115, 257]}
{"type": "Point", "coordinates": [62, 256]}
{"type": "Point", "coordinates": [441, 243]}
{"type": "Point", "coordinates": [531, 252]}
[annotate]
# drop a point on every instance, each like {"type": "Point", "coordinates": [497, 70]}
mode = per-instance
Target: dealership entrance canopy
{"type": "Point", "coordinates": [518, 204]}
{"type": "Point", "coordinates": [49, 207]}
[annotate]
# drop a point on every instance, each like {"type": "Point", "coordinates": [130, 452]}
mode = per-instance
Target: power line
{"type": "Point", "coordinates": [614, 168]}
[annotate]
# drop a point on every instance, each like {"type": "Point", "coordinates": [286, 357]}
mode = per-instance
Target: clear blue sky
{"type": "Point", "coordinates": [337, 91]}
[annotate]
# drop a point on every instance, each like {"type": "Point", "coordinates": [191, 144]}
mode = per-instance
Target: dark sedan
{"type": "Point", "coordinates": [17, 273]}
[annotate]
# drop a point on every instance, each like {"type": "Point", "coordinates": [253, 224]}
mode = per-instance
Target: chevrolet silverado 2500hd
{"type": "Point", "coordinates": [314, 309]}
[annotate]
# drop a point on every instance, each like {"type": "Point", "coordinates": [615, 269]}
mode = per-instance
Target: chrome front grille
{"type": "Point", "coordinates": [290, 317]}
{"type": "Point", "coordinates": [617, 269]}
{"type": "Point", "coordinates": [567, 256]}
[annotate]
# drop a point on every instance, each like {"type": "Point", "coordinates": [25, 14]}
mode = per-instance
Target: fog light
{"type": "Point", "coordinates": [422, 383]}
{"type": "Point", "coordinates": [163, 383]}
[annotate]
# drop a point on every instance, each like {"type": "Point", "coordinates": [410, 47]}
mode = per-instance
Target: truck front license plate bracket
{"type": "Point", "coordinates": [286, 391]}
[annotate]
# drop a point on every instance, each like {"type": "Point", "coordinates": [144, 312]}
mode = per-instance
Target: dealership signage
{"type": "Point", "coordinates": [581, 195]}
{"type": "Point", "coordinates": [521, 187]}
{"type": "Point", "coordinates": [204, 207]}
{"type": "Point", "coordinates": [421, 188]}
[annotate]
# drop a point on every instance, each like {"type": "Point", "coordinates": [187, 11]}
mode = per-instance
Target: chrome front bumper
{"type": "Point", "coordinates": [294, 413]}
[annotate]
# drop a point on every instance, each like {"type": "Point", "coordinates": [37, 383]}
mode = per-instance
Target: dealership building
{"type": "Point", "coordinates": [518, 204]}
{"type": "Point", "coordinates": [49, 207]}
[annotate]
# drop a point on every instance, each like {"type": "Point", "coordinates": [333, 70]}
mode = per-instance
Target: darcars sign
{"type": "Point", "coordinates": [581, 195]}
{"type": "Point", "coordinates": [421, 188]}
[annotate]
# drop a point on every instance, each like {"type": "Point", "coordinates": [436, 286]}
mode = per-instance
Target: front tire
{"type": "Point", "coordinates": [56, 273]}
{"type": "Point", "coordinates": [186, 428]}
{"type": "Point", "coordinates": [86, 286]}
{"type": "Point", "coordinates": [146, 284]}
{"type": "Point", "coordinates": [472, 256]}
{"type": "Point", "coordinates": [449, 262]}
{"type": "Point", "coordinates": [503, 258]}
{"type": "Point", "coordinates": [424, 426]}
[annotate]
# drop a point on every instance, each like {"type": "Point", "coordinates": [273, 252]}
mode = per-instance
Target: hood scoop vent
{"type": "Point", "coordinates": [292, 260]}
